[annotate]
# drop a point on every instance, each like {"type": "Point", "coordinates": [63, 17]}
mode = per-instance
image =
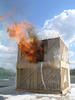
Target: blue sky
{"type": "Point", "coordinates": [36, 11]}
{"type": "Point", "coordinates": [48, 16]}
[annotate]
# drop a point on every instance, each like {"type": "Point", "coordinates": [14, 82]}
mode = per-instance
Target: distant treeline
{"type": "Point", "coordinates": [72, 72]}
{"type": "Point", "coordinates": [5, 73]}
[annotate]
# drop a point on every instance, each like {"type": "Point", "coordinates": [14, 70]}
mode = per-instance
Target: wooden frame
{"type": "Point", "coordinates": [55, 65]}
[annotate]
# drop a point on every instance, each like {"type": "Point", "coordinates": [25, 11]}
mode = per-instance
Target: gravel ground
{"type": "Point", "coordinates": [9, 93]}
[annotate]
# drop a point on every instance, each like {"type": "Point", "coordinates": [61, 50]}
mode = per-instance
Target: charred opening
{"type": "Point", "coordinates": [38, 52]}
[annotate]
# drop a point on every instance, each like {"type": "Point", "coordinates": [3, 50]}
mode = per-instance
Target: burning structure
{"type": "Point", "coordinates": [50, 74]}
{"type": "Point", "coordinates": [42, 65]}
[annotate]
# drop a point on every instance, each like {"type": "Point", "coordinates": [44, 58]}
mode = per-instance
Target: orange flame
{"type": "Point", "coordinates": [6, 14]}
{"type": "Point", "coordinates": [31, 47]}
{"type": "Point", "coordinates": [2, 17]}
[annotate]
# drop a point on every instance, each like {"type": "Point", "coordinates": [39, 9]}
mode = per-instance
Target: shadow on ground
{"type": "Point", "coordinates": [12, 91]}
{"type": "Point", "coordinates": [34, 96]}
{"type": "Point", "coordinates": [2, 98]}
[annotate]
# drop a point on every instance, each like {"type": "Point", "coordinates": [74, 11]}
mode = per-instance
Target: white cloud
{"type": "Point", "coordinates": [72, 64]}
{"type": "Point", "coordinates": [3, 48]}
{"type": "Point", "coordinates": [71, 54]}
{"type": "Point", "coordinates": [73, 44]}
{"type": "Point", "coordinates": [49, 33]}
{"type": "Point", "coordinates": [7, 55]}
{"type": "Point", "coordinates": [62, 25]}
{"type": "Point", "coordinates": [8, 65]}
{"type": "Point", "coordinates": [8, 51]}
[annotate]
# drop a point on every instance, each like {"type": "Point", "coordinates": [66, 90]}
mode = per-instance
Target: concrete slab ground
{"type": "Point", "coordinates": [9, 93]}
